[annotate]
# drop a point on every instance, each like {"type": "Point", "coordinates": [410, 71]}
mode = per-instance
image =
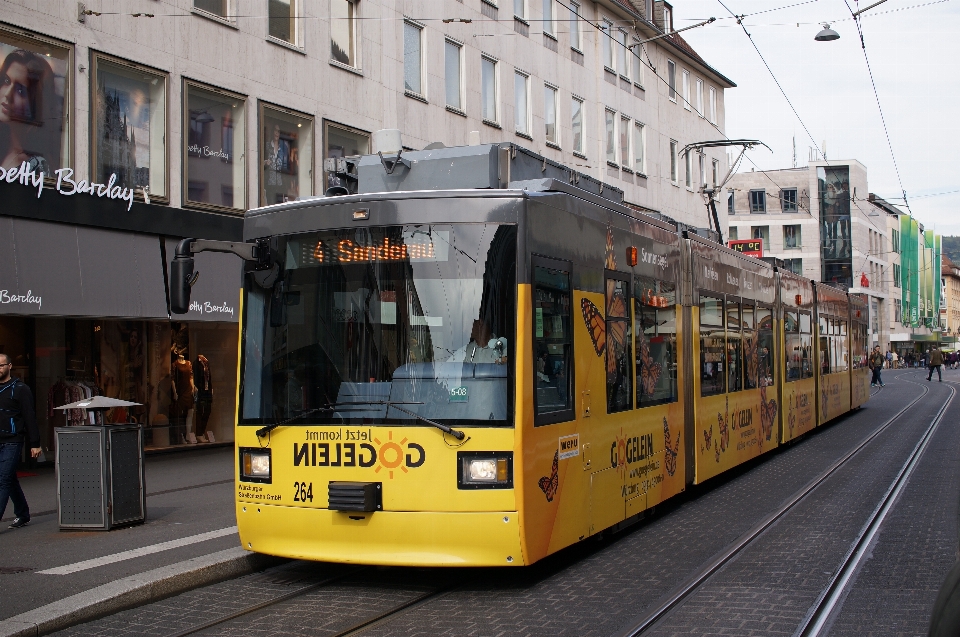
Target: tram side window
{"type": "Point", "coordinates": [806, 345]}
{"type": "Point", "coordinates": [619, 347]}
{"type": "Point", "coordinates": [734, 347]}
{"type": "Point", "coordinates": [553, 343]}
{"type": "Point", "coordinates": [793, 350]}
{"type": "Point", "coordinates": [843, 348]}
{"type": "Point", "coordinates": [764, 346]}
{"type": "Point", "coordinates": [655, 309]}
{"type": "Point", "coordinates": [712, 347]}
{"type": "Point", "coordinates": [751, 350]}
{"type": "Point", "coordinates": [825, 338]}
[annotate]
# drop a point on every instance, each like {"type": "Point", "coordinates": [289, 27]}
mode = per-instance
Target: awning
{"type": "Point", "coordinates": [52, 269]}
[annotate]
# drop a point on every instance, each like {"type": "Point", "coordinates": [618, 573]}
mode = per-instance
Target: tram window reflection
{"type": "Point", "coordinates": [734, 351]}
{"type": "Point", "coordinates": [553, 340]}
{"type": "Point", "coordinates": [655, 304]}
{"type": "Point", "coordinates": [825, 339]}
{"type": "Point", "coordinates": [843, 348]}
{"type": "Point", "coordinates": [712, 347]}
{"type": "Point", "coordinates": [793, 345]}
{"type": "Point", "coordinates": [764, 346]}
{"type": "Point", "coordinates": [806, 346]}
{"type": "Point", "coordinates": [619, 347]}
{"type": "Point", "coordinates": [751, 347]}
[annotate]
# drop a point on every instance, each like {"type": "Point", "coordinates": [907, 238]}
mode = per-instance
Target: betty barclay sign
{"type": "Point", "coordinates": [67, 185]}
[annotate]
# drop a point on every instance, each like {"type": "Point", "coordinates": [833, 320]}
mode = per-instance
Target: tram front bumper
{"type": "Point", "coordinates": [394, 538]}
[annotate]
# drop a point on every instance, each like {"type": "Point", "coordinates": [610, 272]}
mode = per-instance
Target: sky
{"type": "Point", "coordinates": [913, 49]}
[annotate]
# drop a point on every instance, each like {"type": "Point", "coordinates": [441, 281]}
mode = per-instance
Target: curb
{"type": "Point", "coordinates": [135, 590]}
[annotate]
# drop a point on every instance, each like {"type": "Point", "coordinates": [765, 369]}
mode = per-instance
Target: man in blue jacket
{"type": "Point", "coordinates": [18, 423]}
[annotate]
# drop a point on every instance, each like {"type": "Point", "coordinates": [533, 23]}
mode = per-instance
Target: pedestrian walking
{"type": "Point", "coordinates": [18, 424]}
{"type": "Point", "coordinates": [895, 359]}
{"type": "Point", "coordinates": [934, 362]}
{"type": "Point", "coordinates": [889, 356]}
{"type": "Point", "coordinates": [876, 364]}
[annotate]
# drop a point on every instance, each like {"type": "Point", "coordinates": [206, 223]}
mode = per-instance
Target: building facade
{"type": "Point", "coordinates": [950, 296]}
{"type": "Point", "coordinates": [820, 221]}
{"type": "Point", "coordinates": [146, 122]}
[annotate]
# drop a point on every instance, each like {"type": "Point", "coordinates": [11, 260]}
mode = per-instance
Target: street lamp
{"type": "Point", "coordinates": [827, 34]}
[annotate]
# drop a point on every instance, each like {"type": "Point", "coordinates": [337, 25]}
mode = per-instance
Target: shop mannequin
{"type": "Point", "coordinates": [184, 389]}
{"type": "Point", "coordinates": [202, 381]}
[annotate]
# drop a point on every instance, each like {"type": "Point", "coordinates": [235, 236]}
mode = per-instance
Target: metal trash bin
{"type": "Point", "coordinates": [100, 476]}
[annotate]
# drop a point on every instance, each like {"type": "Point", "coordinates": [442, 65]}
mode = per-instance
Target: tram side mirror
{"type": "Point", "coordinates": [182, 278]}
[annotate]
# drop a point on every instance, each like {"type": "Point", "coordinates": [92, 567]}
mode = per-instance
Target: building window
{"type": "Point", "coordinates": [674, 169]}
{"type": "Point", "coordinates": [607, 37]}
{"type": "Point", "coordinates": [342, 141]}
{"type": "Point", "coordinates": [413, 58]}
{"type": "Point", "coordinates": [672, 80]}
{"type": "Point", "coordinates": [215, 174]}
{"type": "Point", "coordinates": [610, 119]}
{"type": "Point", "coordinates": [699, 97]}
{"type": "Point", "coordinates": [488, 90]}
{"type": "Point", "coordinates": [622, 53]}
{"type": "Point", "coordinates": [716, 174]}
{"type": "Point", "coordinates": [575, 26]}
{"type": "Point", "coordinates": [219, 8]}
{"type": "Point", "coordinates": [896, 275]}
{"type": "Point", "coordinates": [282, 19]}
{"type": "Point", "coordinates": [667, 18]}
{"type": "Point", "coordinates": [521, 90]}
{"type": "Point", "coordinates": [286, 151]}
{"type": "Point", "coordinates": [548, 17]}
{"type": "Point", "coordinates": [637, 63]}
{"type": "Point", "coordinates": [520, 9]}
{"type": "Point", "coordinates": [551, 133]}
{"type": "Point", "coordinates": [791, 237]}
{"type": "Point", "coordinates": [130, 126]}
{"type": "Point", "coordinates": [713, 105]}
{"type": "Point", "coordinates": [758, 201]}
{"type": "Point", "coordinates": [37, 129]}
{"type": "Point", "coordinates": [733, 233]}
{"type": "Point", "coordinates": [688, 169]}
{"type": "Point", "coordinates": [731, 209]}
{"type": "Point", "coordinates": [639, 148]}
{"type": "Point", "coordinates": [895, 241]}
{"type": "Point", "coordinates": [703, 170]}
{"type": "Point", "coordinates": [343, 32]}
{"type": "Point", "coordinates": [898, 312]}
{"type": "Point", "coordinates": [453, 75]}
{"type": "Point", "coordinates": [761, 232]}
{"type": "Point", "coordinates": [625, 130]}
{"type": "Point", "coordinates": [686, 89]}
{"type": "Point", "coordinates": [794, 265]}
{"type": "Point", "coordinates": [576, 124]}
{"type": "Point", "coordinates": [788, 200]}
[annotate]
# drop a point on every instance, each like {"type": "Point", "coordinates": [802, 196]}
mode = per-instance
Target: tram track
{"type": "Point", "coordinates": [355, 628]}
{"type": "Point", "coordinates": [679, 595]}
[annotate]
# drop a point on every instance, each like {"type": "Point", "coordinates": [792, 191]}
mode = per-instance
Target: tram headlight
{"type": "Point", "coordinates": [255, 465]}
{"type": "Point", "coordinates": [485, 470]}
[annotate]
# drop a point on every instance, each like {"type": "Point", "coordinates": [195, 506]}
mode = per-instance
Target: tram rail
{"type": "Point", "coordinates": [354, 629]}
{"type": "Point", "coordinates": [826, 602]}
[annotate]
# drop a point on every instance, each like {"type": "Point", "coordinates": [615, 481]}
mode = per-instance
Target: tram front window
{"type": "Point", "coordinates": [383, 325]}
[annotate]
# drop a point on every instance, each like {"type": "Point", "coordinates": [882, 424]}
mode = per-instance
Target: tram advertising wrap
{"type": "Point", "coordinates": [482, 377]}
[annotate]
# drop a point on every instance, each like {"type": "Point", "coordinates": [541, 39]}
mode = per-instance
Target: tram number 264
{"type": "Point", "coordinates": [303, 492]}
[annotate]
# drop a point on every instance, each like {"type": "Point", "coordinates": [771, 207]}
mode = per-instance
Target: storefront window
{"type": "Point", "coordinates": [129, 126]}
{"type": "Point", "coordinates": [340, 141]}
{"type": "Point", "coordinates": [182, 374]}
{"type": "Point", "coordinates": [34, 88]}
{"type": "Point", "coordinates": [286, 153]}
{"type": "Point", "coordinates": [214, 143]}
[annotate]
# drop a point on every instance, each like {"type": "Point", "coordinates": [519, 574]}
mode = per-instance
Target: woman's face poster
{"type": "Point", "coordinates": [33, 86]}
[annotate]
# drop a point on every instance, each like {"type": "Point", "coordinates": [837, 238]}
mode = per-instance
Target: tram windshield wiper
{"type": "Point", "coordinates": [355, 406]}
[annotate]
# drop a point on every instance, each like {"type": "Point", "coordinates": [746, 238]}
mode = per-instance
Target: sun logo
{"type": "Point", "coordinates": [391, 456]}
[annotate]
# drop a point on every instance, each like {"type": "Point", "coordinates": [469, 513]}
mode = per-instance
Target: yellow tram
{"type": "Point", "coordinates": [494, 369]}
